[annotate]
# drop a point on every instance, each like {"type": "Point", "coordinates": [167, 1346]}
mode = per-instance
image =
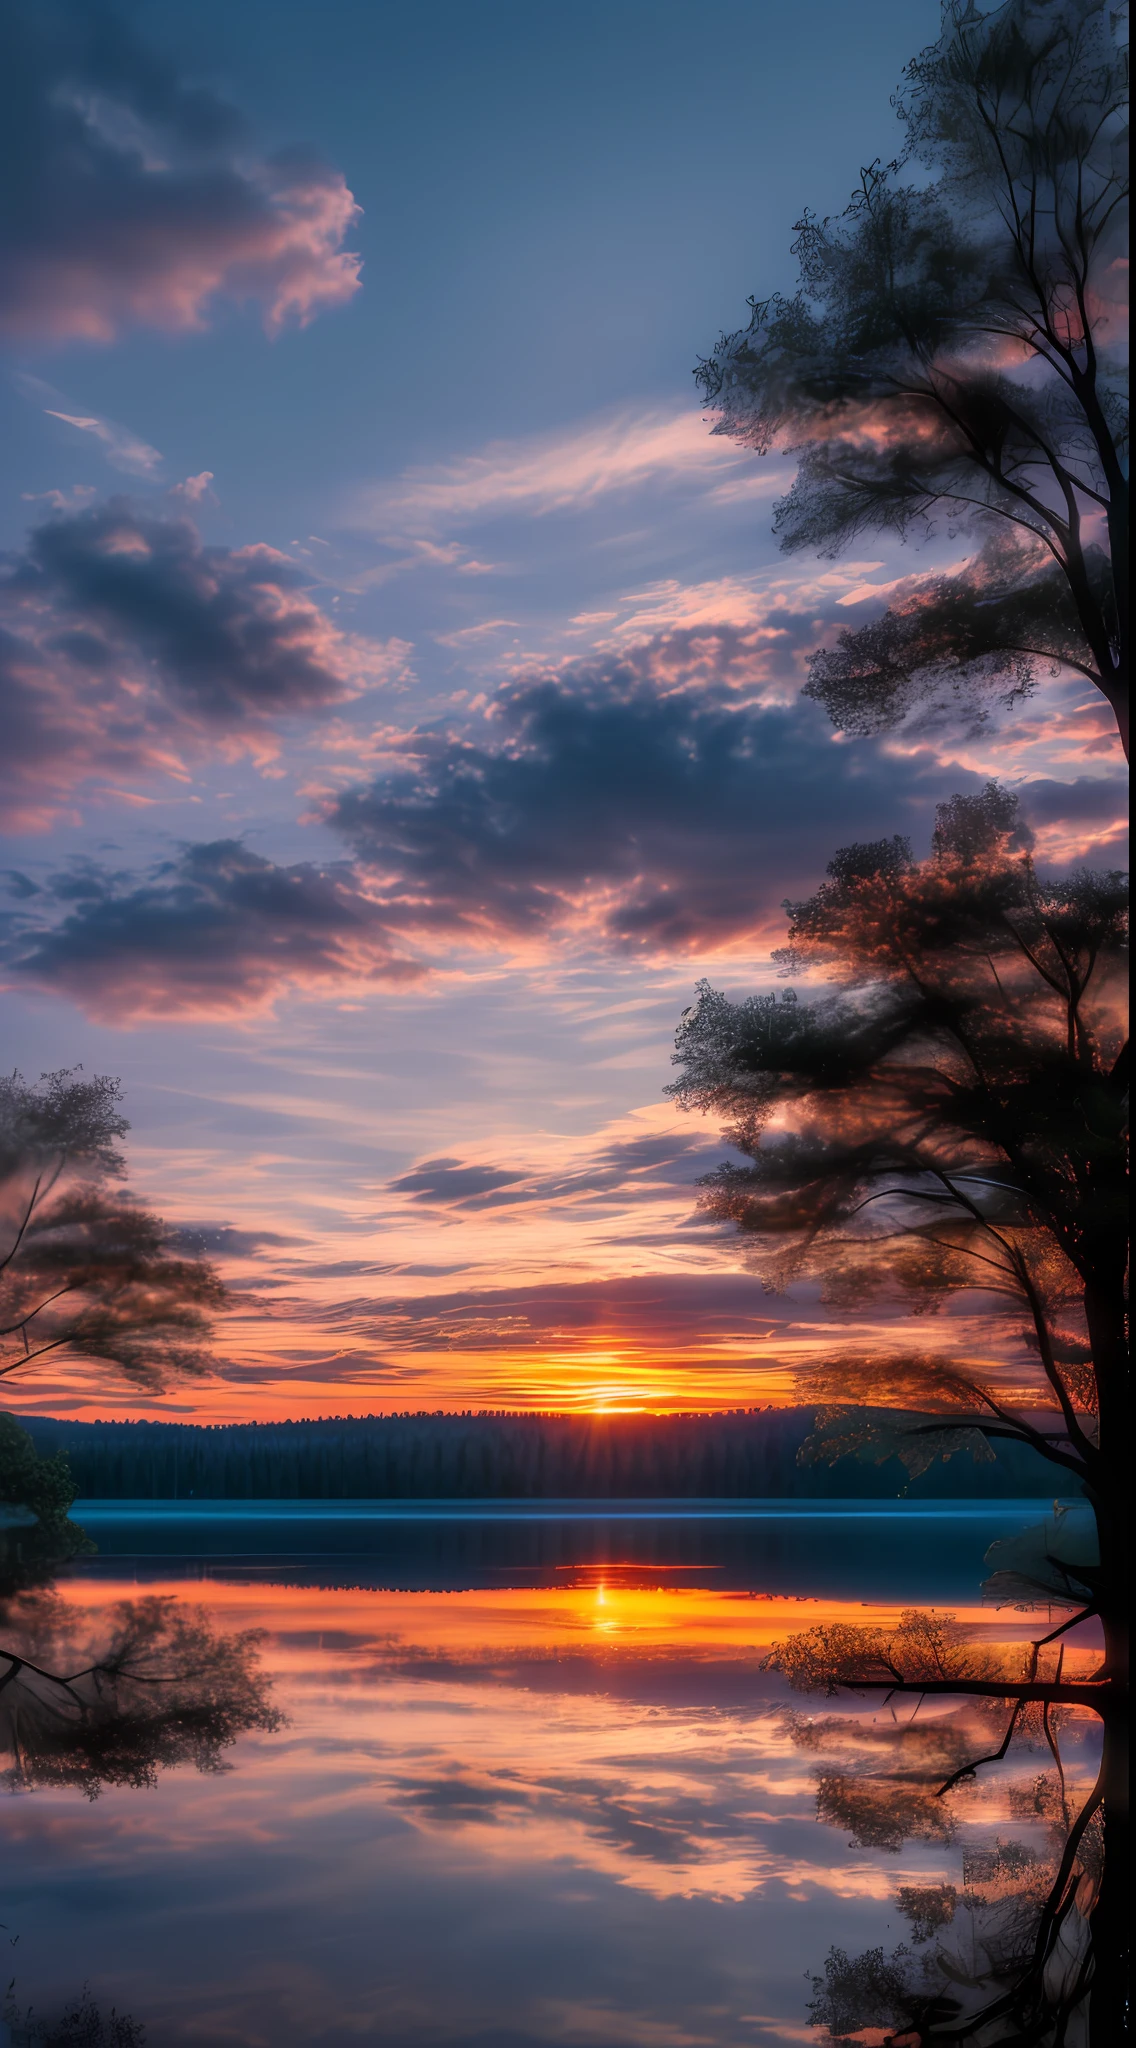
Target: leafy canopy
{"type": "Point", "coordinates": [85, 1271]}
{"type": "Point", "coordinates": [950, 1114]}
{"type": "Point", "coordinates": [953, 362]}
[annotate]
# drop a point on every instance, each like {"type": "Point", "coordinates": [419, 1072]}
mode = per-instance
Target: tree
{"type": "Point", "coordinates": [86, 1272]}
{"type": "Point", "coordinates": [82, 2024]}
{"type": "Point", "coordinates": [40, 1486]}
{"type": "Point", "coordinates": [952, 360]}
{"type": "Point", "coordinates": [36, 1534]}
{"type": "Point", "coordinates": [951, 1116]}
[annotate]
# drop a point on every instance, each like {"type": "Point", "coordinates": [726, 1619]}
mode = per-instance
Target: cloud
{"type": "Point", "coordinates": [1097, 800]}
{"type": "Point", "coordinates": [683, 1312]}
{"type": "Point", "coordinates": [126, 643]}
{"type": "Point", "coordinates": [193, 488]}
{"type": "Point", "coordinates": [225, 1240]}
{"type": "Point", "coordinates": [447, 1180]}
{"type": "Point", "coordinates": [124, 450]}
{"type": "Point", "coordinates": [135, 198]}
{"type": "Point", "coordinates": [216, 932]}
{"type": "Point", "coordinates": [561, 472]}
{"type": "Point", "coordinates": [1081, 821]}
{"type": "Point", "coordinates": [608, 805]}
{"type": "Point", "coordinates": [62, 501]}
{"type": "Point", "coordinates": [652, 807]}
{"type": "Point", "coordinates": [655, 1163]}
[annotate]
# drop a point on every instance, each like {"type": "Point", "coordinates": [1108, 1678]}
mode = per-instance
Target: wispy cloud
{"type": "Point", "coordinates": [124, 450]}
{"type": "Point", "coordinates": [568, 471]}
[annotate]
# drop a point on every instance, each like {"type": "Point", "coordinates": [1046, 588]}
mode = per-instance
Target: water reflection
{"type": "Point", "coordinates": [91, 1699]}
{"type": "Point", "coordinates": [853, 1549]}
{"type": "Point", "coordinates": [572, 1812]}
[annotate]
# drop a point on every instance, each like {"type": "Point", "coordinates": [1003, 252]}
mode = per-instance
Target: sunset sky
{"type": "Point", "coordinates": [402, 680]}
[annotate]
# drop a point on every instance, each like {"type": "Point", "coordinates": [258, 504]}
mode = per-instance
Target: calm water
{"type": "Point", "coordinates": [534, 1788]}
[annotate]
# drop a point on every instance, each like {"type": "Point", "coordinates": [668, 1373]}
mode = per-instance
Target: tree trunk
{"type": "Point", "coordinates": [1110, 1494]}
{"type": "Point", "coordinates": [1112, 1914]}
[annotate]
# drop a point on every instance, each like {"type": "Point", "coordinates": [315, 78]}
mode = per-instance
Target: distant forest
{"type": "Point", "coordinates": [749, 1453]}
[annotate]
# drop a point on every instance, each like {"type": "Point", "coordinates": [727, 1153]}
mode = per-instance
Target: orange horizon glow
{"type": "Point", "coordinates": [602, 1608]}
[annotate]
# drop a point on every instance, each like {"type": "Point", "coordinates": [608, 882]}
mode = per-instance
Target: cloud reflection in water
{"type": "Point", "coordinates": [542, 1815]}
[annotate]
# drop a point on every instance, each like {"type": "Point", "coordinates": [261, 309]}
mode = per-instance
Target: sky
{"type": "Point", "coordinates": [402, 681]}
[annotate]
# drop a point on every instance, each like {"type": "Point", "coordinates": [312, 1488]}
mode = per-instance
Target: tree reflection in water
{"type": "Point", "coordinates": [1005, 1956]}
{"type": "Point", "coordinates": [157, 1686]}
{"type": "Point", "coordinates": [114, 1699]}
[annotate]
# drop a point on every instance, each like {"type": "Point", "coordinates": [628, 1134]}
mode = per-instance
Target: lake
{"type": "Point", "coordinates": [534, 1789]}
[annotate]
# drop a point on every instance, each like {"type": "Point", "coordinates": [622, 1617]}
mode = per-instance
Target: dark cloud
{"type": "Point", "coordinates": [639, 816]}
{"type": "Point", "coordinates": [447, 1180]}
{"type": "Point", "coordinates": [218, 930]}
{"type": "Point", "coordinates": [18, 884]}
{"type": "Point", "coordinates": [1090, 800]}
{"type": "Point", "coordinates": [630, 1166]}
{"type": "Point", "coordinates": [600, 811]}
{"type": "Point", "coordinates": [129, 643]}
{"type": "Point", "coordinates": [674, 1310]}
{"type": "Point", "coordinates": [128, 196]}
{"type": "Point", "coordinates": [224, 1240]}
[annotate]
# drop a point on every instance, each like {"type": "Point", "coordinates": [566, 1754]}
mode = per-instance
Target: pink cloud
{"type": "Point", "coordinates": [128, 648]}
{"type": "Point", "coordinates": [193, 488]}
{"type": "Point", "coordinates": [124, 449]}
{"type": "Point", "coordinates": [142, 203]}
{"type": "Point", "coordinates": [220, 932]}
{"type": "Point", "coordinates": [559, 472]}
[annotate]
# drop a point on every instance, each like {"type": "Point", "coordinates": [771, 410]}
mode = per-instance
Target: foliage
{"type": "Point", "coordinates": [36, 1536]}
{"type": "Point", "coordinates": [82, 2024]}
{"type": "Point", "coordinates": [736, 1454]}
{"type": "Point", "coordinates": [921, 1648]}
{"type": "Point", "coordinates": [160, 1688]}
{"type": "Point", "coordinates": [951, 1117]}
{"type": "Point", "coordinates": [41, 1485]}
{"type": "Point", "coordinates": [88, 1273]}
{"type": "Point", "coordinates": [954, 357]}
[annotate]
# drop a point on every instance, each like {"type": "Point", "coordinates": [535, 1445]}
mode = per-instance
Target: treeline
{"type": "Point", "coordinates": [740, 1454]}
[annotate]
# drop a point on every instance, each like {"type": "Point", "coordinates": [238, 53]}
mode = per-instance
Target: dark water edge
{"type": "Point", "coordinates": [866, 1551]}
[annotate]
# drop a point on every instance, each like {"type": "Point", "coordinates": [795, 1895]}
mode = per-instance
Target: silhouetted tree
{"type": "Point", "coordinates": [84, 1271]}
{"type": "Point", "coordinates": [81, 2024]}
{"type": "Point", "coordinates": [36, 1535]}
{"type": "Point", "coordinates": [953, 1116]}
{"type": "Point", "coordinates": [953, 358]}
{"type": "Point", "coordinates": [40, 1485]}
